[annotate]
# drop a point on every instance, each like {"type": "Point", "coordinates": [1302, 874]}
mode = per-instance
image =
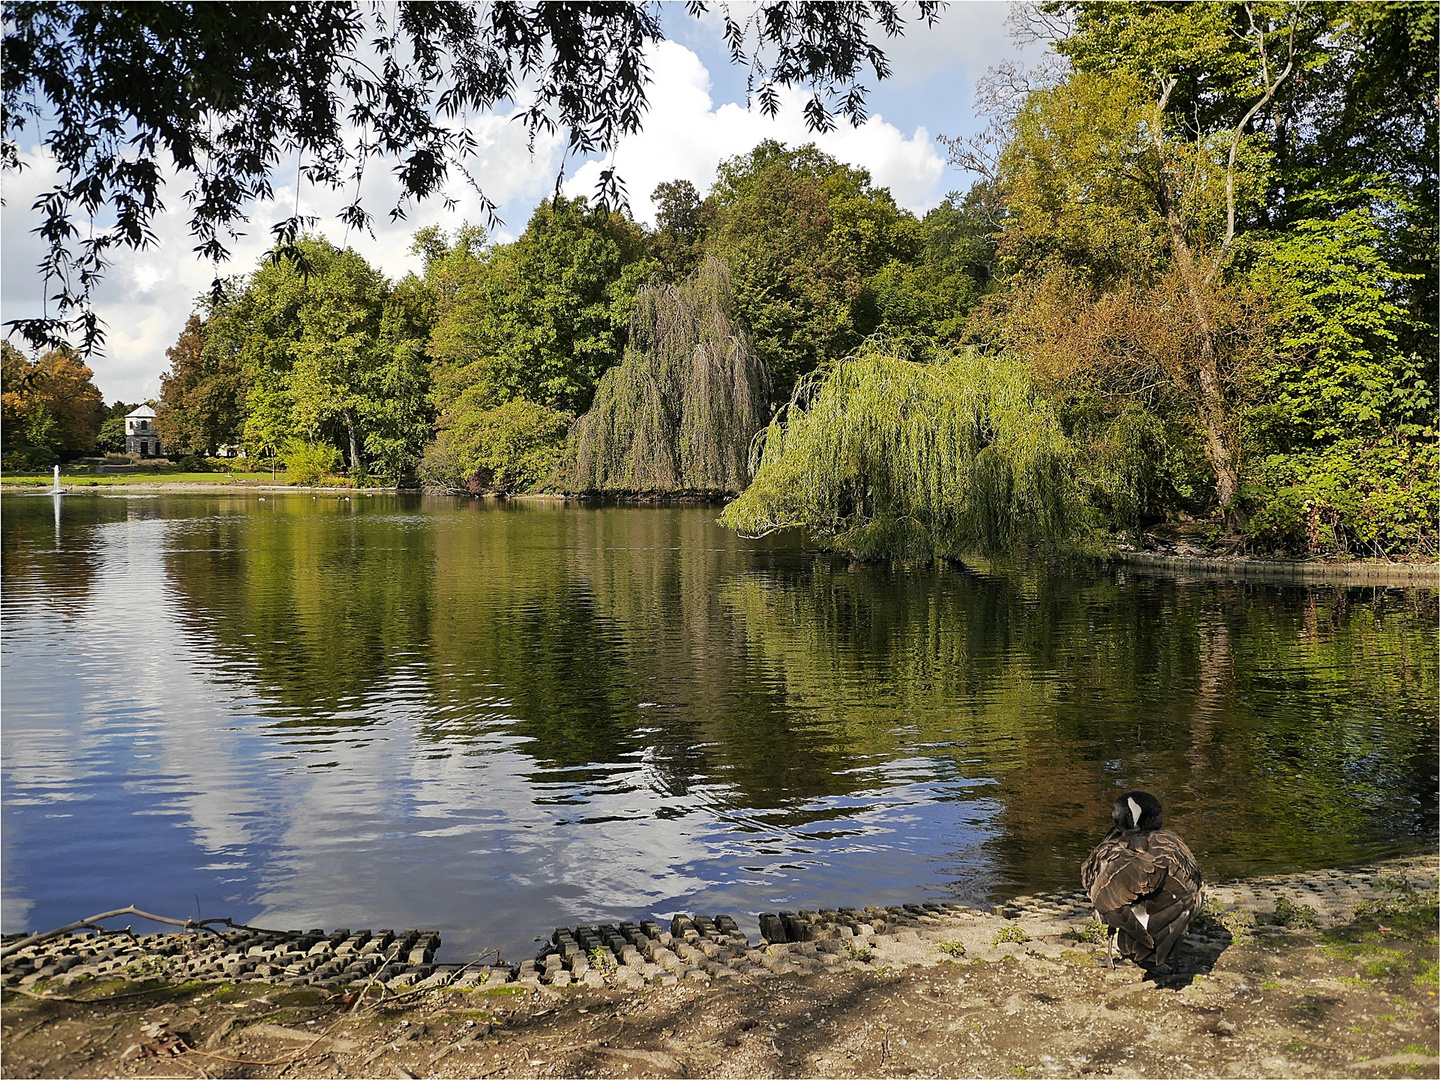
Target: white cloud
{"type": "Point", "coordinates": [685, 137]}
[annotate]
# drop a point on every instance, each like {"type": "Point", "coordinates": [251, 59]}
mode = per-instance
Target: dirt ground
{"type": "Point", "coordinates": [1281, 994]}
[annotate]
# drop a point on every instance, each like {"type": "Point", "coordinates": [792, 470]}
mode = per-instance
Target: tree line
{"type": "Point", "coordinates": [1214, 260]}
{"type": "Point", "coordinates": [1194, 290]}
{"type": "Point", "coordinates": [470, 374]}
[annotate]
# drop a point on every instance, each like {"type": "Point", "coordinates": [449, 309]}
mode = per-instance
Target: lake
{"type": "Point", "coordinates": [494, 719]}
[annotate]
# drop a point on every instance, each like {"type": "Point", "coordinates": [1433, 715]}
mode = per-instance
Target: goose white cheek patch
{"type": "Point", "coordinates": [1134, 813]}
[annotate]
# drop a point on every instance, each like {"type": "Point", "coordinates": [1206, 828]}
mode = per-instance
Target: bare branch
{"type": "Point", "coordinates": [91, 924]}
{"type": "Point", "coordinates": [1270, 90]}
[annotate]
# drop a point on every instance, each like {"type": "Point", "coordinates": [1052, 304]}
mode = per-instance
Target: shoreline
{"type": "Point", "coordinates": [1328, 973]}
{"type": "Point", "coordinates": [1239, 568]}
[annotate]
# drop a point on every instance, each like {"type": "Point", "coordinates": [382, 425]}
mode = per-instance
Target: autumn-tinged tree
{"type": "Point", "coordinates": [202, 397]}
{"type": "Point", "coordinates": [50, 403]}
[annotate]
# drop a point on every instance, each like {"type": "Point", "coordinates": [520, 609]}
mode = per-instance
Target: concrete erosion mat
{"type": "Point", "coordinates": [1328, 972]}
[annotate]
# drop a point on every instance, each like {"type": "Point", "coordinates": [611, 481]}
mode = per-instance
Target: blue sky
{"type": "Point", "coordinates": [697, 118]}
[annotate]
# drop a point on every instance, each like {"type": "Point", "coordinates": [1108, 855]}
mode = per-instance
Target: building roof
{"type": "Point", "coordinates": [144, 412]}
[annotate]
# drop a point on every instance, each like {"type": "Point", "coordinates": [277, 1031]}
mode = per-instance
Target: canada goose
{"type": "Point", "coordinates": [1143, 883]}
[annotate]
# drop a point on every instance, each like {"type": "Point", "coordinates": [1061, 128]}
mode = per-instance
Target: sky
{"type": "Point", "coordinates": [697, 118]}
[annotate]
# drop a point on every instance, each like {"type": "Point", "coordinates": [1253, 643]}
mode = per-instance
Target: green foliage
{"type": "Point", "coordinates": [26, 459]}
{"type": "Point", "coordinates": [924, 300]}
{"type": "Point", "coordinates": [803, 235]}
{"type": "Point", "coordinates": [1013, 934]}
{"type": "Point", "coordinates": [682, 222]}
{"type": "Point", "coordinates": [892, 458]}
{"type": "Point", "coordinates": [307, 464]}
{"type": "Point", "coordinates": [1353, 498]}
{"type": "Point", "coordinates": [679, 412]}
{"type": "Point", "coordinates": [542, 318]}
{"type": "Point", "coordinates": [111, 439]}
{"type": "Point", "coordinates": [513, 447]}
{"type": "Point", "coordinates": [330, 353]}
{"type": "Point", "coordinates": [1341, 369]}
{"type": "Point", "coordinates": [953, 948]}
{"type": "Point", "coordinates": [1136, 467]}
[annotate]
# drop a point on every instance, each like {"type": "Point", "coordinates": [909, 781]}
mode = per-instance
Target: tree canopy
{"type": "Point", "coordinates": [50, 406]}
{"type": "Point", "coordinates": [225, 94]}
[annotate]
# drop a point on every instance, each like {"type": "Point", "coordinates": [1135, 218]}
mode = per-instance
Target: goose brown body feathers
{"type": "Point", "coordinates": [1143, 881]}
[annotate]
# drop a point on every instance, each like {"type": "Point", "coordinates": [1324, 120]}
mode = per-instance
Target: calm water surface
{"type": "Point", "coordinates": [494, 720]}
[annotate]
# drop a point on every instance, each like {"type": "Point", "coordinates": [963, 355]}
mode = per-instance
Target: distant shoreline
{"type": "Point", "coordinates": [1238, 567]}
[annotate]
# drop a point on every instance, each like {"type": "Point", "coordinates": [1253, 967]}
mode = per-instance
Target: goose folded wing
{"type": "Point", "coordinates": [1170, 911]}
{"type": "Point", "coordinates": [1125, 875]}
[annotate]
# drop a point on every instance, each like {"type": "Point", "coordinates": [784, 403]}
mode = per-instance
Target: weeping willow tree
{"type": "Point", "coordinates": [889, 458]}
{"type": "Point", "coordinates": [679, 411]}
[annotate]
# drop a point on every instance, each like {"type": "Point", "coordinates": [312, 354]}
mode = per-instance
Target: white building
{"type": "Point", "coordinates": [140, 437]}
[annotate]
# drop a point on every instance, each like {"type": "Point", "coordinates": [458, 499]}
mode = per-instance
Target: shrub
{"type": "Point", "coordinates": [306, 464]}
{"type": "Point", "coordinates": [27, 459]}
{"type": "Point", "coordinates": [194, 463]}
{"type": "Point", "coordinates": [1347, 499]}
{"type": "Point", "coordinates": [513, 447]}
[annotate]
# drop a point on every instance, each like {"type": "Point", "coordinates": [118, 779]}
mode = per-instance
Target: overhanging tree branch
{"type": "Point", "coordinates": [117, 93]}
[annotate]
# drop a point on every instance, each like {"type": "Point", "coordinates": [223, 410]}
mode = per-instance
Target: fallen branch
{"type": "Point", "coordinates": [92, 922]}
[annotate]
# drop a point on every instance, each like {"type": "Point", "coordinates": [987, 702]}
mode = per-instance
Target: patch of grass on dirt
{"type": "Point", "coordinates": [1092, 933]}
{"type": "Point", "coordinates": [1011, 933]}
{"type": "Point", "coordinates": [954, 948]}
{"type": "Point", "coordinates": [1407, 914]}
{"type": "Point", "coordinates": [1297, 916]}
{"type": "Point", "coordinates": [1237, 923]}
{"type": "Point", "coordinates": [509, 990]}
{"type": "Point", "coordinates": [1427, 975]}
{"type": "Point", "coordinates": [863, 953]}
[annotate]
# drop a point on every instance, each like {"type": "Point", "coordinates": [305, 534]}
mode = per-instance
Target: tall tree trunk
{"type": "Point", "coordinates": [1214, 412]}
{"type": "Point", "coordinates": [349, 415]}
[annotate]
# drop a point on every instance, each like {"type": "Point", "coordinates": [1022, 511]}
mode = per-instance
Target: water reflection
{"type": "Point", "coordinates": [493, 719]}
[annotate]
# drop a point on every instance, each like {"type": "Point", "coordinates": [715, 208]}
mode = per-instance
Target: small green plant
{"type": "Point", "coordinates": [1214, 915]}
{"type": "Point", "coordinates": [863, 953]}
{"type": "Point", "coordinates": [1427, 975]}
{"type": "Point", "coordinates": [601, 960]}
{"type": "Point", "coordinates": [1093, 932]}
{"type": "Point", "coordinates": [1296, 916]}
{"type": "Point", "coordinates": [954, 948]}
{"type": "Point", "coordinates": [1011, 933]}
